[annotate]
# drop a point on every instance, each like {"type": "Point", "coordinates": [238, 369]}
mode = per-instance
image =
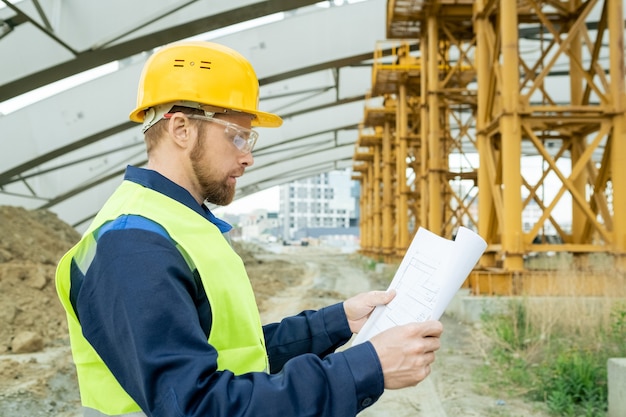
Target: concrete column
{"type": "Point", "coordinates": [617, 387]}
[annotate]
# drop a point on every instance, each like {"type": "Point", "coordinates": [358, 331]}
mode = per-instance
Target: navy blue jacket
{"type": "Point", "coordinates": [144, 311]}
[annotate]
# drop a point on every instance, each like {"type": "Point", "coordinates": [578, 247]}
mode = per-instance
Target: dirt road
{"type": "Point", "coordinates": [450, 390]}
{"type": "Point", "coordinates": [286, 281]}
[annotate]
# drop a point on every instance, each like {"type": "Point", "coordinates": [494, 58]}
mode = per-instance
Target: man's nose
{"type": "Point", "coordinates": [247, 159]}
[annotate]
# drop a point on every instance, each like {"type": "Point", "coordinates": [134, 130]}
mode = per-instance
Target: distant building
{"type": "Point", "coordinates": [259, 225]}
{"type": "Point", "coordinates": [325, 204]}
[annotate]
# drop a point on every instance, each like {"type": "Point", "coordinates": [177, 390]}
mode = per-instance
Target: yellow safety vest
{"type": "Point", "coordinates": [236, 331]}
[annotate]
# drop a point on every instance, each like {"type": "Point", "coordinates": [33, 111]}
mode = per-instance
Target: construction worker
{"type": "Point", "coordinates": [161, 314]}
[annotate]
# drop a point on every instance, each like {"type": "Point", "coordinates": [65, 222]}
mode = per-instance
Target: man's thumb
{"type": "Point", "coordinates": [383, 297]}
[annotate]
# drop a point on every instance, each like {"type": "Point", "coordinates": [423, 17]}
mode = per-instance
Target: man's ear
{"type": "Point", "coordinates": [180, 129]}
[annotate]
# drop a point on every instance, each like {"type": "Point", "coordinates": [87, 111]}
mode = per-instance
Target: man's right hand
{"type": "Point", "coordinates": [406, 352]}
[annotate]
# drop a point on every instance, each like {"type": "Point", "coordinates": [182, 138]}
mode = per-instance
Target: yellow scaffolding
{"type": "Point", "coordinates": [474, 131]}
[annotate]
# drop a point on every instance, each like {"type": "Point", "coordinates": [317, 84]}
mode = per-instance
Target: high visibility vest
{"type": "Point", "coordinates": [236, 331]}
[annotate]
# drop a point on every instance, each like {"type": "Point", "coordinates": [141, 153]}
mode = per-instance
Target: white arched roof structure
{"type": "Point", "coordinates": [67, 152]}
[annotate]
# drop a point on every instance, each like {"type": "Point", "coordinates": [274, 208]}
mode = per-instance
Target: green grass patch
{"type": "Point", "coordinates": [555, 354]}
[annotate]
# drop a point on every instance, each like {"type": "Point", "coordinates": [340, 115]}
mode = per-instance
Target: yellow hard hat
{"type": "Point", "coordinates": [201, 72]}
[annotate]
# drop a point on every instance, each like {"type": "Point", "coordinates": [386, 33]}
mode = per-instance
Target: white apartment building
{"type": "Point", "coordinates": [319, 203]}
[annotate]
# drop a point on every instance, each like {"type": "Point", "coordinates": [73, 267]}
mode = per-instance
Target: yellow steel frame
{"type": "Point", "coordinates": [458, 81]}
{"type": "Point", "coordinates": [374, 167]}
{"type": "Point", "coordinates": [517, 108]}
{"type": "Point", "coordinates": [422, 189]}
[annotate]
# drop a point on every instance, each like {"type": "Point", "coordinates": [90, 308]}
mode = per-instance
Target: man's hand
{"type": "Point", "coordinates": [359, 307]}
{"type": "Point", "coordinates": [406, 352]}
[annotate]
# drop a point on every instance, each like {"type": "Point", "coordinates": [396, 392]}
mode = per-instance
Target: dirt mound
{"type": "Point", "coordinates": [32, 243]}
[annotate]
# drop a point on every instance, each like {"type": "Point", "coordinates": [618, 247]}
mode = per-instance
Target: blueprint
{"type": "Point", "coordinates": [431, 272]}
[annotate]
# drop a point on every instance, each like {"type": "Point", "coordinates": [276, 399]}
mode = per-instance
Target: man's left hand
{"type": "Point", "coordinates": [359, 307]}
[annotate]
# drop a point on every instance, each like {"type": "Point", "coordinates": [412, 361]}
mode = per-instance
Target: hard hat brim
{"type": "Point", "coordinates": [264, 119]}
{"type": "Point", "coordinates": [261, 119]}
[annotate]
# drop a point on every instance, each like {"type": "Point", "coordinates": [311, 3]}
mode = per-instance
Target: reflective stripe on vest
{"type": "Point", "coordinates": [233, 305]}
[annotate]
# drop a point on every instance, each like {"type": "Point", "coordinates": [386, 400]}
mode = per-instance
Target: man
{"type": "Point", "coordinates": [162, 318]}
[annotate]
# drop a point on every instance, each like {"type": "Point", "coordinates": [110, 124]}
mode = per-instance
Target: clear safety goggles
{"type": "Point", "coordinates": [243, 139]}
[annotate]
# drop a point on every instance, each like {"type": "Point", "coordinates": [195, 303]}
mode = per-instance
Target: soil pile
{"type": "Point", "coordinates": [31, 316]}
{"type": "Point", "coordinates": [37, 376]}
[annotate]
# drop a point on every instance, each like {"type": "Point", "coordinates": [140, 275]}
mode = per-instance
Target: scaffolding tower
{"type": "Point", "coordinates": [507, 117]}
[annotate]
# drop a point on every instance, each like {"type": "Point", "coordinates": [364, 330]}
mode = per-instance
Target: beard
{"type": "Point", "coordinates": [214, 190]}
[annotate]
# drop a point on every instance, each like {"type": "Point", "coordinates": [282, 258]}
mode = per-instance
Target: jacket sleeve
{"type": "Point", "coordinates": [319, 332]}
{"type": "Point", "coordinates": [139, 310]}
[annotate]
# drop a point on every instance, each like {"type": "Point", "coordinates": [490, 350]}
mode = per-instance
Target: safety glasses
{"type": "Point", "coordinates": [243, 139]}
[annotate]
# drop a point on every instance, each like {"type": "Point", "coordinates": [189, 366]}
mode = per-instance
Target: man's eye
{"type": "Point", "coordinates": [239, 141]}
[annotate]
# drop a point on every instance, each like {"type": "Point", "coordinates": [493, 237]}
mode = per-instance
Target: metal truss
{"type": "Point", "coordinates": [528, 97]}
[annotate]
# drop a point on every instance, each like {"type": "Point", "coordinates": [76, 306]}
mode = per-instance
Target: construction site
{"type": "Point", "coordinates": [505, 117]}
